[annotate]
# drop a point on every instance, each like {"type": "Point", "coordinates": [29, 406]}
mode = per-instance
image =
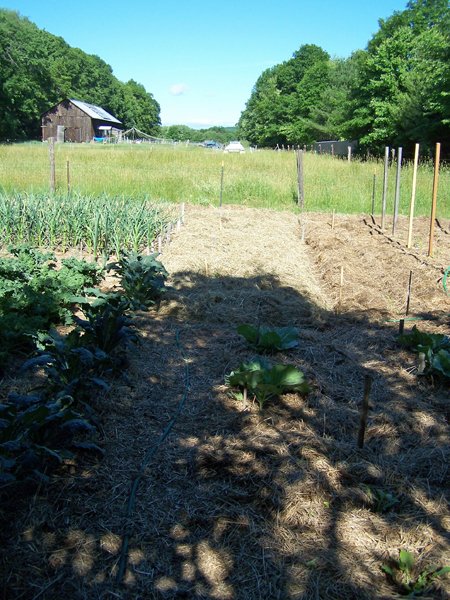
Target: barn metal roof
{"type": "Point", "coordinates": [95, 112]}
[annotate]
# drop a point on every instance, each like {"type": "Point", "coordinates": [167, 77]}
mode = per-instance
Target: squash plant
{"type": "Point", "coordinates": [434, 347]}
{"type": "Point", "coordinates": [264, 382]}
{"type": "Point", "coordinates": [269, 339]}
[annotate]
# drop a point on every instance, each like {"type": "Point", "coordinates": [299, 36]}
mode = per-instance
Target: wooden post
{"type": "Point", "coordinates": [385, 185]}
{"type": "Point", "coordinates": [301, 192]}
{"type": "Point", "coordinates": [182, 213]}
{"type": "Point", "coordinates": [51, 152]}
{"type": "Point", "coordinates": [413, 195]}
{"type": "Point", "coordinates": [349, 153]}
{"type": "Point", "coordinates": [373, 193]}
{"type": "Point", "coordinates": [364, 410]}
{"type": "Point", "coordinates": [68, 176]}
{"type": "Point", "coordinates": [341, 286]}
{"type": "Point", "coordinates": [434, 199]}
{"type": "Point", "coordinates": [221, 185]}
{"type": "Point", "coordinates": [397, 189]}
{"type": "Point", "coordinates": [332, 149]}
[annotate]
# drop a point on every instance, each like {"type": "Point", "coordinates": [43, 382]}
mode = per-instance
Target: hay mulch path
{"type": "Point", "coordinates": [242, 504]}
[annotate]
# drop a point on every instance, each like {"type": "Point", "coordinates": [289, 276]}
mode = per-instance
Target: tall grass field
{"type": "Point", "coordinates": [180, 173]}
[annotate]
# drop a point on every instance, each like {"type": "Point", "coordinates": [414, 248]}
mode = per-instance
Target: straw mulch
{"type": "Point", "coordinates": [242, 504]}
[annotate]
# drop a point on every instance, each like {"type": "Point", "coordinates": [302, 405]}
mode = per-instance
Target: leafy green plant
{"type": "Point", "coordinates": [380, 501]}
{"type": "Point", "coordinates": [401, 573]}
{"type": "Point", "coordinates": [107, 323]}
{"type": "Point", "coordinates": [35, 295]}
{"type": "Point", "coordinates": [269, 339]}
{"type": "Point", "coordinates": [33, 431]}
{"type": "Point", "coordinates": [434, 347]}
{"type": "Point", "coordinates": [264, 382]}
{"type": "Point", "coordinates": [71, 368]}
{"type": "Point", "coordinates": [142, 278]}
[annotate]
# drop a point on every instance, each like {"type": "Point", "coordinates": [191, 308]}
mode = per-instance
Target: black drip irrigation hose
{"type": "Point", "coordinates": [149, 455]}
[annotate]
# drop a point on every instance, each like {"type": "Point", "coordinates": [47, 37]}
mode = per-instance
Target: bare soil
{"type": "Point", "coordinates": [241, 504]}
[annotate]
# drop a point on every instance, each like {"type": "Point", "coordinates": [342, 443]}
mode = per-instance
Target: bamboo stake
{"type": "Point", "coordinates": [413, 195]}
{"type": "Point", "coordinates": [397, 189]}
{"type": "Point", "coordinates": [434, 200]}
{"type": "Point", "coordinates": [364, 410]}
{"type": "Point", "coordinates": [385, 185]}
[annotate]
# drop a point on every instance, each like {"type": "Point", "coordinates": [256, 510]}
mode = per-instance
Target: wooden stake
{"type": "Point", "coordinates": [301, 192]}
{"type": "Point", "coordinates": [349, 153]}
{"type": "Point", "coordinates": [341, 285]}
{"type": "Point", "coordinates": [182, 213]}
{"type": "Point", "coordinates": [51, 151]}
{"type": "Point", "coordinates": [397, 189]}
{"type": "Point", "coordinates": [401, 326]}
{"type": "Point", "coordinates": [373, 194]}
{"type": "Point", "coordinates": [364, 410]}
{"type": "Point", "coordinates": [385, 185]}
{"type": "Point", "coordinates": [413, 195]}
{"type": "Point", "coordinates": [221, 185]}
{"type": "Point", "coordinates": [434, 200]}
{"type": "Point", "coordinates": [68, 176]}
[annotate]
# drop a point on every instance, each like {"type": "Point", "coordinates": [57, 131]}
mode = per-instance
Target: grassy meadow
{"type": "Point", "coordinates": [178, 173]}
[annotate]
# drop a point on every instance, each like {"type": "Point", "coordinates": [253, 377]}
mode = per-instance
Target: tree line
{"type": "Point", "coordinates": [395, 92]}
{"type": "Point", "coordinates": [38, 70]}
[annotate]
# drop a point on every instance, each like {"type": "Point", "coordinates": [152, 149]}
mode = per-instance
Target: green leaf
{"type": "Point", "coordinates": [441, 362]}
{"type": "Point", "coordinates": [269, 339]}
{"type": "Point", "coordinates": [406, 561]}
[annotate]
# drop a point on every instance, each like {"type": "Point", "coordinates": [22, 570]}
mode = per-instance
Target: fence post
{"type": "Point", "coordinates": [385, 185]}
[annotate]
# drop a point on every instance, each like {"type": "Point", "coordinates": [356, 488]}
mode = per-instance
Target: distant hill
{"type": "Point", "coordinates": [38, 69]}
{"type": "Point", "coordinates": [220, 134]}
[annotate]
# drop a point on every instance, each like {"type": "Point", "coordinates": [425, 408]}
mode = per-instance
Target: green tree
{"type": "Point", "coordinates": [38, 69]}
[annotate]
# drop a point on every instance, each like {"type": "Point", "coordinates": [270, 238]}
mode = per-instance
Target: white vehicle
{"type": "Point", "coordinates": [234, 147]}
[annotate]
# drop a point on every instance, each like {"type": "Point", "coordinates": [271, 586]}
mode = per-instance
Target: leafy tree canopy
{"type": "Point", "coordinates": [38, 70]}
{"type": "Point", "coordinates": [395, 92]}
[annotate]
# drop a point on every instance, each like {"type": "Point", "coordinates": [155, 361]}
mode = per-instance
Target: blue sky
{"type": "Point", "coordinates": [199, 58]}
